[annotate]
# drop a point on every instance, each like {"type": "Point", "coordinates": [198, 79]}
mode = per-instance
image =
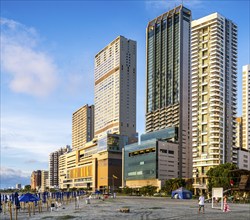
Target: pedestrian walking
{"type": "Point", "coordinates": [201, 203]}
{"type": "Point", "coordinates": [225, 204]}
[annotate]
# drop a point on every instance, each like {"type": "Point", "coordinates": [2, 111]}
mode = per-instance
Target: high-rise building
{"type": "Point", "coordinates": [239, 132]}
{"type": "Point", "coordinates": [44, 177]}
{"type": "Point", "coordinates": [35, 179]}
{"type": "Point", "coordinates": [168, 79]}
{"type": "Point", "coordinates": [54, 166]}
{"type": "Point", "coordinates": [214, 86]}
{"type": "Point", "coordinates": [18, 186]}
{"type": "Point", "coordinates": [82, 126]}
{"type": "Point", "coordinates": [115, 88]}
{"type": "Point", "coordinates": [97, 164]}
{"type": "Point", "coordinates": [246, 106]}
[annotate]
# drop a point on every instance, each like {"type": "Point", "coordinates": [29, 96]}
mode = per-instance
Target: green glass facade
{"type": "Point", "coordinates": [168, 95]}
{"type": "Point", "coordinates": [163, 59]}
{"type": "Point", "coordinates": [141, 160]}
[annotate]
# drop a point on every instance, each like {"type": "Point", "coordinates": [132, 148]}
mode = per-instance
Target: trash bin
{"type": "Point", "coordinates": [87, 201]}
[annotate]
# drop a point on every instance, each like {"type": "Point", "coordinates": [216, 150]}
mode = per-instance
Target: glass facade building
{"type": "Point", "coordinates": [144, 162]}
{"type": "Point", "coordinates": [168, 79]}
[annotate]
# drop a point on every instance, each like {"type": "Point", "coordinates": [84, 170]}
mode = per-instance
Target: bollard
{"type": "Point", "coordinates": [10, 209]}
{"type": "Point", "coordinates": [4, 208]}
{"type": "Point", "coordinates": [29, 209]}
{"type": "Point", "coordinates": [33, 206]}
{"type": "Point", "coordinates": [16, 213]}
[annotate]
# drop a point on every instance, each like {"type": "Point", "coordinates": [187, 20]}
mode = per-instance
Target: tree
{"type": "Point", "coordinates": [148, 190]}
{"type": "Point", "coordinates": [221, 175]}
{"type": "Point", "coordinates": [27, 188]}
{"type": "Point", "coordinates": [173, 184]}
{"type": "Point", "coordinates": [127, 190]}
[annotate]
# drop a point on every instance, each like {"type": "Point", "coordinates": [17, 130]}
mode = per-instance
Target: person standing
{"type": "Point", "coordinates": [225, 204]}
{"type": "Point", "coordinates": [201, 203]}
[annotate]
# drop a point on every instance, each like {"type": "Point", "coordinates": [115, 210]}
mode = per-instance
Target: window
{"type": "Point", "coordinates": [203, 149]}
{"type": "Point", "coordinates": [204, 88]}
{"type": "Point", "coordinates": [163, 151]}
{"type": "Point", "coordinates": [204, 62]}
{"type": "Point", "coordinates": [204, 138]}
{"type": "Point", "coordinates": [204, 70]}
{"type": "Point", "coordinates": [204, 98]}
{"type": "Point", "coordinates": [204, 128]}
{"type": "Point", "coordinates": [204, 53]}
{"type": "Point", "coordinates": [171, 152]}
{"type": "Point", "coordinates": [204, 118]}
{"type": "Point", "coordinates": [205, 30]}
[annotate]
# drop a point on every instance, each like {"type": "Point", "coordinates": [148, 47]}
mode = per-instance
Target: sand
{"type": "Point", "coordinates": [140, 208]}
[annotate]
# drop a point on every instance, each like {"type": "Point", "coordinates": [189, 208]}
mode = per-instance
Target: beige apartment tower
{"type": "Point", "coordinates": [239, 132]}
{"type": "Point", "coordinates": [115, 88]}
{"type": "Point", "coordinates": [246, 107]}
{"type": "Point", "coordinates": [82, 126]}
{"type": "Point", "coordinates": [214, 79]}
{"type": "Point", "coordinates": [44, 180]}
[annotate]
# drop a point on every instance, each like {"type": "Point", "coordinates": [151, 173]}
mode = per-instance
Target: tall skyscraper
{"type": "Point", "coordinates": [54, 166]}
{"type": "Point", "coordinates": [246, 106]}
{"type": "Point", "coordinates": [82, 126]}
{"type": "Point", "coordinates": [98, 164]}
{"type": "Point", "coordinates": [115, 88]}
{"type": "Point", "coordinates": [168, 79]}
{"type": "Point", "coordinates": [214, 79]}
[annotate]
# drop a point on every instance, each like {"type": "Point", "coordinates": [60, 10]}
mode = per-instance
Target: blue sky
{"type": "Point", "coordinates": [47, 67]}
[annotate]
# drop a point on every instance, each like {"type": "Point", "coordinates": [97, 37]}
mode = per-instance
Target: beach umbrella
{"type": "Point", "coordinates": [97, 192]}
{"type": "Point", "coordinates": [44, 197]}
{"type": "Point", "coordinates": [28, 197]}
{"type": "Point", "coordinates": [12, 198]}
{"type": "Point", "coordinates": [16, 200]}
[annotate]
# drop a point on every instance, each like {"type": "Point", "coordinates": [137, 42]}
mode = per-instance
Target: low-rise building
{"type": "Point", "coordinates": [152, 161]}
{"type": "Point", "coordinates": [97, 165]}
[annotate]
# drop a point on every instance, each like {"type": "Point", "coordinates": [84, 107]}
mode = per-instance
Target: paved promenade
{"type": "Point", "coordinates": [141, 208]}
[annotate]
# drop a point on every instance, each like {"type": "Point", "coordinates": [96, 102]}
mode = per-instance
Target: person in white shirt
{"type": "Point", "coordinates": [201, 203]}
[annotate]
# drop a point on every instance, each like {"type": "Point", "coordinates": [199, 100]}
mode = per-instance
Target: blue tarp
{"type": "Point", "coordinates": [182, 193]}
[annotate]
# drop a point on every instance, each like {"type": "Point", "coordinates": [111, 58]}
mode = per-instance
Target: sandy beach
{"type": "Point", "coordinates": [139, 207]}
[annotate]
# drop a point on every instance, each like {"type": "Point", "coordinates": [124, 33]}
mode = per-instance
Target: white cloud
{"type": "Point", "coordinates": [166, 5]}
{"type": "Point", "coordinates": [26, 137]}
{"type": "Point", "coordinates": [9, 172]}
{"type": "Point", "coordinates": [10, 177]}
{"type": "Point", "coordinates": [32, 71]}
